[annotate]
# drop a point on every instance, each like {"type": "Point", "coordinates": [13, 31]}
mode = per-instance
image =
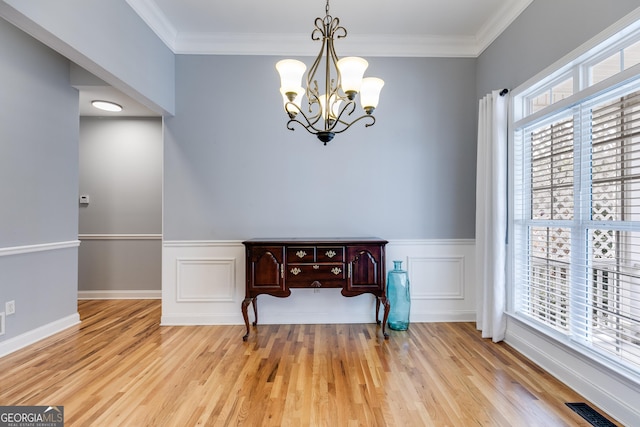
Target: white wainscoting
{"type": "Point", "coordinates": [441, 278]}
{"type": "Point", "coordinates": [204, 282]}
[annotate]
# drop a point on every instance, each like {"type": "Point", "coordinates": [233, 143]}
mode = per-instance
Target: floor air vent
{"type": "Point", "coordinates": [590, 414]}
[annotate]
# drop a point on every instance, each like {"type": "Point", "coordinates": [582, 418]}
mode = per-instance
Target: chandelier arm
{"type": "Point", "coordinates": [312, 73]}
{"type": "Point", "coordinates": [318, 31]}
{"type": "Point", "coordinates": [363, 117]}
{"type": "Point", "coordinates": [310, 123]}
{"type": "Point", "coordinates": [308, 127]}
{"type": "Point", "coordinates": [313, 118]}
{"type": "Point", "coordinates": [336, 30]}
{"type": "Point", "coordinates": [342, 111]}
{"type": "Point", "coordinates": [314, 131]}
{"type": "Point", "coordinates": [332, 58]}
{"type": "Point", "coordinates": [292, 109]}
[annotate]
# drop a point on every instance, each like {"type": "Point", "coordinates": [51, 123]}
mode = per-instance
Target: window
{"type": "Point", "coordinates": [545, 294]}
{"type": "Point", "coordinates": [620, 60]}
{"type": "Point", "coordinates": [576, 206]}
{"type": "Point", "coordinates": [578, 224]}
{"type": "Point", "coordinates": [552, 95]}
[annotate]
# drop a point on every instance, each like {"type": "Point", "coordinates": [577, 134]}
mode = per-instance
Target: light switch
{"type": "Point", "coordinates": [84, 199]}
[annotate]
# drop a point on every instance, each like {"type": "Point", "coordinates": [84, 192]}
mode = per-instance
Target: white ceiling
{"type": "Point", "coordinates": [130, 107]}
{"type": "Point", "coordinates": [283, 27]}
{"type": "Point", "coordinates": [454, 28]}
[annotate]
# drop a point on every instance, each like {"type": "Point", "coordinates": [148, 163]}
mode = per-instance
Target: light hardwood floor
{"type": "Point", "coordinates": [119, 367]}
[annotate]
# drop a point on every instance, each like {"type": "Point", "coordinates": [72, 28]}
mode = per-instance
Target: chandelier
{"type": "Point", "coordinates": [328, 112]}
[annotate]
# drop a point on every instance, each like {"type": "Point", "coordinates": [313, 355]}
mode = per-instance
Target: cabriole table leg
{"type": "Point", "coordinates": [387, 307]}
{"type": "Point", "coordinates": [245, 303]}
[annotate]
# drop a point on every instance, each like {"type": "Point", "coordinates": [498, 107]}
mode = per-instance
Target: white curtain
{"type": "Point", "coordinates": [491, 216]}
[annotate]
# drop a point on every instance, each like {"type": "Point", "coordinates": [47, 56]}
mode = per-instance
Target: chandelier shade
{"type": "Point", "coordinates": [325, 106]}
{"type": "Point", "coordinates": [351, 71]}
{"type": "Point", "coordinates": [291, 72]}
{"type": "Point", "coordinates": [370, 94]}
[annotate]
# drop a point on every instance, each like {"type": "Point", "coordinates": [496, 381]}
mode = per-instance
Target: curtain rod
{"type": "Point", "coordinates": [503, 92]}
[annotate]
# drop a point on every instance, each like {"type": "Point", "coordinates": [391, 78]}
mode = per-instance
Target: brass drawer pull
{"type": "Point", "coordinates": [330, 254]}
{"type": "Point", "coordinates": [301, 254]}
{"type": "Point", "coordinates": [295, 271]}
{"type": "Point", "coordinates": [316, 266]}
{"type": "Point", "coordinates": [336, 270]}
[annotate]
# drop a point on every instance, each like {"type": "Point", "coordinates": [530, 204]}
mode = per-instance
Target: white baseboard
{"type": "Point", "coordinates": [435, 316]}
{"type": "Point", "coordinates": [199, 319]}
{"type": "Point", "coordinates": [609, 390]}
{"type": "Point", "coordinates": [84, 295]}
{"type": "Point", "coordinates": [35, 335]}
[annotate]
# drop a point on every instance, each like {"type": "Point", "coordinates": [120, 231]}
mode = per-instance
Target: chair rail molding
{"type": "Point", "coordinates": [120, 236]}
{"type": "Point", "coordinates": [40, 247]}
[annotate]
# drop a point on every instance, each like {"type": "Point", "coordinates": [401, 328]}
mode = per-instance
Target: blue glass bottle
{"type": "Point", "coordinates": [399, 297]}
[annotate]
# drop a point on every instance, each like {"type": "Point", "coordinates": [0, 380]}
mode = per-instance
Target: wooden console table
{"type": "Point", "coordinates": [275, 266]}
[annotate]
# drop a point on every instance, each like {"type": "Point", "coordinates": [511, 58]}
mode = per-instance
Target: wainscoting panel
{"type": "Point", "coordinates": [203, 283]}
{"type": "Point", "coordinates": [435, 271]}
{"type": "Point", "coordinates": [206, 280]}
{"type": "Point", "coordinates": [441, 277]}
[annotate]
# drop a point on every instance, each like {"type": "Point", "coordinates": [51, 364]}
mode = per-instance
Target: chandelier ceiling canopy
{"type": "Point", "coordinates": [324, 108]}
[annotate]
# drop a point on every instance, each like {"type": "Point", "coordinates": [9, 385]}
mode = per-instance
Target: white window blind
{"type": "Point", "coordinates": [577, 224]}
{"type": "Point", "coordinates": [610, 305]}
{"type": "Point", "coordinates": [548, 210]}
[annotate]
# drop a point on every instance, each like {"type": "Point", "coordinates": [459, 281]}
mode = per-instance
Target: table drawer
{"type": "Point", "coordinates": [330, 254]}
{"type": "Point", "coordinates": [300, 254]}
{"type": "Point", "coordinates": [312, 272]}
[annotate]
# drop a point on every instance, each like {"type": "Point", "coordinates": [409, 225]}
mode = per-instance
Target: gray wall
{"type": "Point", "coordinates": [233, 170]}
{"type": "Point", "coordinates": [38, 181]}
{"type": "Point", "coordinates": [106, 38]}
{"type": "Point", "coordinates": [121, 171]}
{"type": "Point", "coordinates": [545, 32]}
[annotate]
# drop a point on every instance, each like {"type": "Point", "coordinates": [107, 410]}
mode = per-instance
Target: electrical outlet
{"type": "Point", "coordinates": [10, 307]}
{"type": "Point", "coordinates": [2, 323]}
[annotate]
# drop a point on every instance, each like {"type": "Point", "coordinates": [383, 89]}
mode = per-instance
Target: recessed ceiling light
{"type": "Point", "coordinates": [107, 106]}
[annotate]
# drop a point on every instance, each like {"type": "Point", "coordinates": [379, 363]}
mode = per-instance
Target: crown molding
{"type": "Point", "coordinates": [155, 19]}
{"type": "Point", "coordinates": [499, 22]}
{"type": "Point", "coordinates": [302, 45]}
{"type": "Point", "coordinates": [298, 44]}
